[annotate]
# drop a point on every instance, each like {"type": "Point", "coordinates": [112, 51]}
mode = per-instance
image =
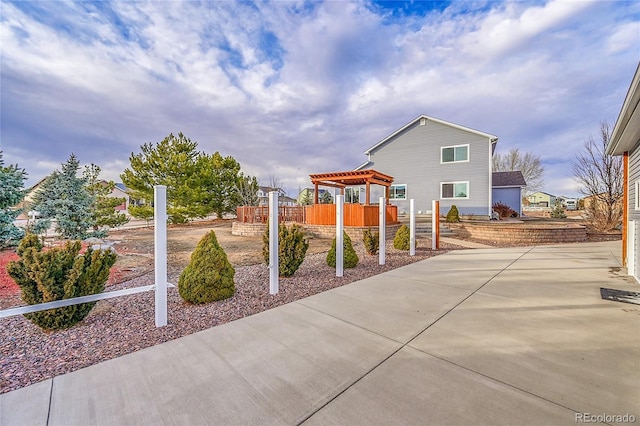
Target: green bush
{"type": "Point", "coordinates": [453, 216]}
{"type": "Point", "coordinates": [350, 257]}
{"type": "Point", "coordinates": [58, 274]}
{"type": "Point", "coordinates": [292, 248]}
{"type": "Point", "coordinates": [557, 212]}
{"type": "Point", "coordinates": [209, 275]}
{"type": "Point", "coordinates": [371, 241]}
{"type": "Point", "coordinates": [402, 240]}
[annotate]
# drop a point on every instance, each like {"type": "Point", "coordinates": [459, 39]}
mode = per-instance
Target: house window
{"type": "Point", "coordinates": [454, 190]}
{"type": "Point", "coordinates": [454, 154]}
{"type": "Point", "coordinates": [398, 192]}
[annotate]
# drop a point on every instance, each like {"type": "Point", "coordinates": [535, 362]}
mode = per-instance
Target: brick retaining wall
{"type": "Point", "coordinates": [520, 233]}
{"type": "Point", "coordinates": [317, 231]}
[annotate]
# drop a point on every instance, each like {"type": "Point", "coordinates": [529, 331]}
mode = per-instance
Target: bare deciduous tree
{"type": "Point", "coordinates": [527, 163]}
{"type": "Point", "coordinates": [600, 177]}
{"type": "Point", "coordinates": [275, 184]}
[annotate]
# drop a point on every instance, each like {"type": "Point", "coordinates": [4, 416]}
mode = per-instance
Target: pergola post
{"type": "Point", "coordinates": [367, 201]}
{"type": "Point", "coordinates": [315, 194]}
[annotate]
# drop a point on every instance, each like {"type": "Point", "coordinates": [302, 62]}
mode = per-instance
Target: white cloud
{"type": "Point", "coordinates": [297, 88]}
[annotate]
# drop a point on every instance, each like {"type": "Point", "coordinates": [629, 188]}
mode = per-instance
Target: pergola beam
{"type": "Point", "coordinates": [352, 178]}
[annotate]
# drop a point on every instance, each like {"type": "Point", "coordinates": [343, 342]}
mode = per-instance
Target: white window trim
{"type": "Point", "coordinates": [454, 197]}
{"type": "Point", "coordinates": [405, 192]}
{"type": "Point", "coordinates": [442, 148]}
{"type": "Point", "coordinates": [636, 200]}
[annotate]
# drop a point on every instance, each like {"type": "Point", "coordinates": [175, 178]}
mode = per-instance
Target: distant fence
{"type": "Point", "coordinates": [260, 214]}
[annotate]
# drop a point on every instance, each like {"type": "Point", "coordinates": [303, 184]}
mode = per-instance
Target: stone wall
{"type": "Point", "coordinates": [317, 231]}
{"type": "Point", "coordinates": [520, 233]}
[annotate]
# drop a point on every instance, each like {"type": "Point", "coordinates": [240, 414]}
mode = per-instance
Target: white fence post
{"type": "Point", "coordinates": [339, 236]}
{"type": "Point", "coordinates": [160, 255]}
{"type": "Point", "coordinates": [274, 267]}
{"type": "Point", "coordinates": [382, 227]}
{"type": "Point", "coordinates": [412, 228]}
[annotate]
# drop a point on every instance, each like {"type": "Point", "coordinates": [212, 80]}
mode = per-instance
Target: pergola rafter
{"type": "Point", "coordinates": [352, 178]}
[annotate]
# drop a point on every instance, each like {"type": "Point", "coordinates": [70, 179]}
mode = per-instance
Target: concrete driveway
{"type": "Point", "coordinates": [483, 336]}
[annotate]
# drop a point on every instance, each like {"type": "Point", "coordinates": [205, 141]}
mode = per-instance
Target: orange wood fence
{"type": "Point", "coordinates": [318, 214]}
{"type": "Point", "coordinates": [354, 214]}
{"type": "Point", "coordinates": [260, 214]}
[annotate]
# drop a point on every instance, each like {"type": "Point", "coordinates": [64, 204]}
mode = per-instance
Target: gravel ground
{"type": "Point", "coordinates": [123, 325]}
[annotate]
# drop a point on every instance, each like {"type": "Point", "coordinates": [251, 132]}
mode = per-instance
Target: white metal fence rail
{"type": "Point", "coordinates": [161, 285]}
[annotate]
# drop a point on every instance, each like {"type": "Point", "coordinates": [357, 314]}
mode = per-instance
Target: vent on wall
{"type": "Point", "coordinates": [423, 121]}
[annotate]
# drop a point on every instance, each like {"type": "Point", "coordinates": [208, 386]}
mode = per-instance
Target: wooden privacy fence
{"type": "Point", "coordinates": [260, 214]}
{"type": "Point", "coordinates": [319, 214]}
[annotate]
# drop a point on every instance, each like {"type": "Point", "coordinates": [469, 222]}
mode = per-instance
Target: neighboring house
{"type": "Point", "coordinates": [507, 189]}
{"type": "Point", "coordinates": [119, 191]}
{"type": "Point", "coordinates": [542, 199]}
{"type": "Point", "coordinates": [283, 200]}
{"type": "Point", "coordinates": [432, 159]}
{"type": "Point", "coordinates": [625, 141]}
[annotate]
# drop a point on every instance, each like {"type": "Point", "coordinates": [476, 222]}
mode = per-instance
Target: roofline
{"type": "Point", "coordinates": [492, 138]}
{"type": "Point", "coordinates": [623, 137]}
{"type": "Point", "coordinates": [361, 166]}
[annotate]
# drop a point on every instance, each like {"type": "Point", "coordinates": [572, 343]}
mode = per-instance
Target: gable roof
{"type": "Point", "coordinates": [492, 138]}
{"type": "Point", "coordinates": [541, 192]}
{"type": "Point", "coordinates": [626, 132]}
{"type": "Point", "coordinates": [505, 179]}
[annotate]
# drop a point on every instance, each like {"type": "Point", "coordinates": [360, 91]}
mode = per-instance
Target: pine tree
{"type": "Point", "coordinates": [103, 210]}
{"type": "Point", "coordinates": [197, 184]}
{"type": "Point", "coordinates": [63, 196]}
{"type": "Point", "coordinates": [12, 183]}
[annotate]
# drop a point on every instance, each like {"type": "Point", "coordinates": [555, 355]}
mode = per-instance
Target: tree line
{"type": "Point", "coordinates": [198, 185]}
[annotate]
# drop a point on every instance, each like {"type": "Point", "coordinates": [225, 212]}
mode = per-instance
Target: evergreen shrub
{"type": "Point", "coordinates": [209, 275]}
{"type": "Point", "coordinates": [57, 274]}
{"type": "Point", "coordinates": [292, 248]}
{"type": "Point", "coordinates": [350, 257]}
{"type": "Point", "coordinates": [402, 240]}
{"type": "Point", "coordinates": [453, 216]}
{"type": "Point", "coordinates": [371, 241]}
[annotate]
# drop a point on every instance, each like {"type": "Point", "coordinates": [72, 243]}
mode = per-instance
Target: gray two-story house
{"type": "Point", "coordinates": [625, 141]}
{"type": "Point", "coordinates": [432, 159]}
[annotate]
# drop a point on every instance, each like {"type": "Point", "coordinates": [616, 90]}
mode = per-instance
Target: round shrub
{"type": "Point", "coordinates": [453, 216]}
{"type": "Point", "coordinates": [350, 257]}
{"type": "Point", "coordinates": [57, 274]}
{"type": "Point", "coordinates": [292, 248]}
{"type": "Point", "coordinates": [209, 275]}
{"type": "Point", "coordinates": [371, 241]}
{"type": "Point", "coordinates": [402, 240]}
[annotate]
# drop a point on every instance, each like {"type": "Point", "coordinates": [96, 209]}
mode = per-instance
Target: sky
{"type": "Point", "coordinates": [294, 88]}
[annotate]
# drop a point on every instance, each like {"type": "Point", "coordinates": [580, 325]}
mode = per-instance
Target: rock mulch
{"type": "Point", "coordinates": [123, 325]}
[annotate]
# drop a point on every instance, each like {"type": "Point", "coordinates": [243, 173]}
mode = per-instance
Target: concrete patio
{"type": "Point", "coordinates": [481, 336]}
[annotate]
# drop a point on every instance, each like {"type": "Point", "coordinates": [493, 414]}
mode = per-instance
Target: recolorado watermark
{"type": "Point", "coordinates": [604, 418]}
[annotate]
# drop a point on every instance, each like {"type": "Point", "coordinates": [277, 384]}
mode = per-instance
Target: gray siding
{"type": "Point", "coordinates": [634, 175]}
{"type": "Point", "coordinates": [413, 158]}
{"type": "Point", "coordinates": [512, 197]}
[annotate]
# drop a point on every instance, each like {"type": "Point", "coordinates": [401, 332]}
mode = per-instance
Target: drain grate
{"type": "Point", "coordinates": [620, 295]}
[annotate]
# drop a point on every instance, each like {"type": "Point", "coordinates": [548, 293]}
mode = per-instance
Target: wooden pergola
{"type": "Point", "coordinates": [352, 178]}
